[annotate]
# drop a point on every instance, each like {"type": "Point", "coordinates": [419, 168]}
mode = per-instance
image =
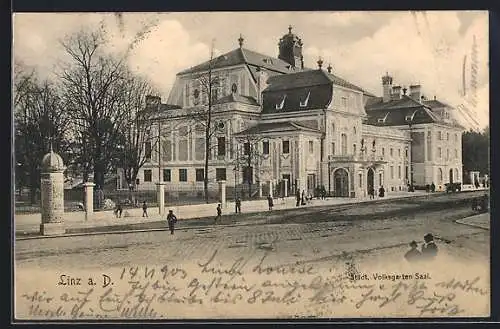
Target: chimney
{"type": "Point", "coordinates": [387, 87]}
{"type": "Point", "coordinates": [396, 92]}
{"type": "Point", "coordinates": [415, 92]}
{"type": "Point", "coordinates": [261, 84]}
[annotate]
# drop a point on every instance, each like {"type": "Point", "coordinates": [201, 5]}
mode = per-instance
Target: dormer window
{"type": "Point", "coordinates": [304, 103]}
{"type": "Point", "coordinates": [382, 120]}
{"type": "Point", "coordinates": [281, 104]}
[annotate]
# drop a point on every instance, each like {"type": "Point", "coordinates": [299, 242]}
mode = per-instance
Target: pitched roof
{"type": "Point", "coordinates": [308, 78]}
{"type": "Point", "coordinates": [233, 97]}
{"type": "Point", "coordinates": [276, 127]}
{"type": "Point", "coordinates": [242, 56]}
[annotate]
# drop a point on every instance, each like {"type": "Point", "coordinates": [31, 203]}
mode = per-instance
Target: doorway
{"type": "Point", "coordinates": [341, 183]}
{"type": "Point", "coordinates": [370, 180]}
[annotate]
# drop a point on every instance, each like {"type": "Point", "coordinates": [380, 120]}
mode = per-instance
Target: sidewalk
{"type": "Point", "coordinates": [132, 218]}
{"type": "Point", "coordinates": [481, 221]}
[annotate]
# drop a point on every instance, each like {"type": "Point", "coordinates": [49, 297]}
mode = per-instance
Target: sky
{"type": "Point", "coordinates": [423, 47]}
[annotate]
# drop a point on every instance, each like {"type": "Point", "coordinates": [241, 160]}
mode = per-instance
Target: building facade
{"type": "Point", "coordinates": [275, 123]}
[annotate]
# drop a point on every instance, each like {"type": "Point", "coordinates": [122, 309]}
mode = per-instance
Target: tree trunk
{"type": "Point", "coordinates": [207, 153]}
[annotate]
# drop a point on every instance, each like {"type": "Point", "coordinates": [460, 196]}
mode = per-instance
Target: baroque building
{"type": "Point", "coordinates": [275, 120]}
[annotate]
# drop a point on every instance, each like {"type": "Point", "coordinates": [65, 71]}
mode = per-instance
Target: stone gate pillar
{"type": "Point", "coordinates": [52, 194]}
{"type": "Point", "coordinates": [271, 188]}
{"type": "Point", "coordinates": [286, 188]}
{"type": "Point", "coordinates": [161, 197]}
{"type": "Point", "coordinates": [88, 190]}
{"type": "Point", "coordinates": [222, 193]}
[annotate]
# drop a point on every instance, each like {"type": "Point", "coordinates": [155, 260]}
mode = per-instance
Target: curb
{"type": "Point", "coordinates": [124, 231]}
{"type": "Point", "coordinates": [461, 221]}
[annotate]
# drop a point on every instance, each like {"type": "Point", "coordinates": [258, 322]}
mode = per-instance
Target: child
{"type": "Point", "coordinates": [171, 219]}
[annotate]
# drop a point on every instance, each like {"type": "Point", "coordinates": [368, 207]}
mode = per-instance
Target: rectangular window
{"type": "Point", "coordinates": [360, 180]}
{"type": "Point", "coordinates": [220, 174]}
{"type": "Point", "coordinates": [246, 149]}
{"type": "Point", "coordinates": [399, 153]}
{"type": "Point", "coordinates": [265, 147]}
{"type": "Point", "coordinates": [406, 153]}
{"type": "Point", "coordinates": [183, 175]}
{"type": "Point", "coordinates": [390, 152]}
{"type": "Point", "coordinates": [167, 175]}
{"type": "Point", "coordinates": [148, 151]}
{"type": "Point", "coordinates": [148, 174]}
{"type": "Point", "coordinates": [286, 147]}
{"type": "Point", "coordinates": [392, 172]}
{"type": "Point", "coordinates": [333, 148]}
{"type": "Point", "coordinates": [311, 147]}
{"type": "Point", "coordinates": [447, 136]}
{"type": "Point", "coordinates": [354, 149]}
{"type": "Point", "coordinates": [200, 175]}
{"type": "Point", "coordinates": [383, 151]}
{"type": "Point", "coordinates": [406, 172]}
{"type": "Point", "coordinates": [344, 102]}
{"type": "Point", "coordinates": [399, 172]}
{"type": "Point", "coordinates": [221, 146]}
{"type": "Point", "coordinates": [439, 153]}
{"type": "Point", "coordinates": [439, 135]}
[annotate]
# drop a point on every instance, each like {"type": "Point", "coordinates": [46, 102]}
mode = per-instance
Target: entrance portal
{"type": "Point", "coordinates": [370, 180]}
{"type": "Point", "coordinates": [341, 183]}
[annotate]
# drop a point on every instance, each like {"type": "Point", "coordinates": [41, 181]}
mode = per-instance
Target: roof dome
{"type": "Point", "coordinates": [52, 162]}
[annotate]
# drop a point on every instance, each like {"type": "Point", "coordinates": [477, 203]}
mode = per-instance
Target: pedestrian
{"type": "Point", "coordinates": [118, 210]}
{"type": "Point", "coordinates": [433, 187]}
{"type": "Point", "coordinates": [297, 196]}
{"type": "Point", "coordinates": [371, 192]}
{"type": "Point", "coordinates": [171, 220]}
{"type": "Point", "coordinates": [219, 213]}
{"type": "Point", "coordinates": [413, 254]}
{"type": "Point", "coordinates": [303, 197]}
{"type": "Point", "coordinates": [381, 191]}
{"type": "Point", "coordinates": [429, 249]}
{"type": "Point", "coordinates": [270, 202]}
{"type": "Point", "coordinates": [238, 205]}
{"type": "Point", "coordinates": [144, 209]}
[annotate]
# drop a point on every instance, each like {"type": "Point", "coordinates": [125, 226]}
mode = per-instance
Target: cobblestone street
{"type": "Point", "coordinates": [369, 236]}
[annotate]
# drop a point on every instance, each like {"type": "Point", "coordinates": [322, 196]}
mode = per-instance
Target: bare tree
{"type": "Point", "coordinates": [208, 83]}
{"type": "Point", "coordinates": [94, 85]}
{"type": "Point", "coordinates": [40, 123]}
{"type": "Point", "coordinates": [138, 137]}
{"type": "Point", "coordinates": [249, 157]}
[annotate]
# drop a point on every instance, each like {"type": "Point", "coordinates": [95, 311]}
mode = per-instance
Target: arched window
{"type": "Point", "coordinates": [343, 144]}
{"type": "Point", "coordinates": [440, 175]}
{"type": "Point", "coordinates": [354, 130]}
{"type": "Point", "coordinates": [333, 131]}
{"type": "Point", "coordinates": [456, 175]}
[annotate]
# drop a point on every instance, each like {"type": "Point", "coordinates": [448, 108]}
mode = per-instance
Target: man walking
{"type": "Point", "coordinates": [219, 213]}
{"type": "Point", "coordinates": [144, 209]}
{"type": "Point", "coordinates": [238, 205]}
{"type": "Point", "coordinates": [171, 220]}
{"type": "Point", "coordinates": [297, 197]}
{"type": "Point", "coordinates": [270, 202]}
{"type": "Point", "coordinates": [118, 210]}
